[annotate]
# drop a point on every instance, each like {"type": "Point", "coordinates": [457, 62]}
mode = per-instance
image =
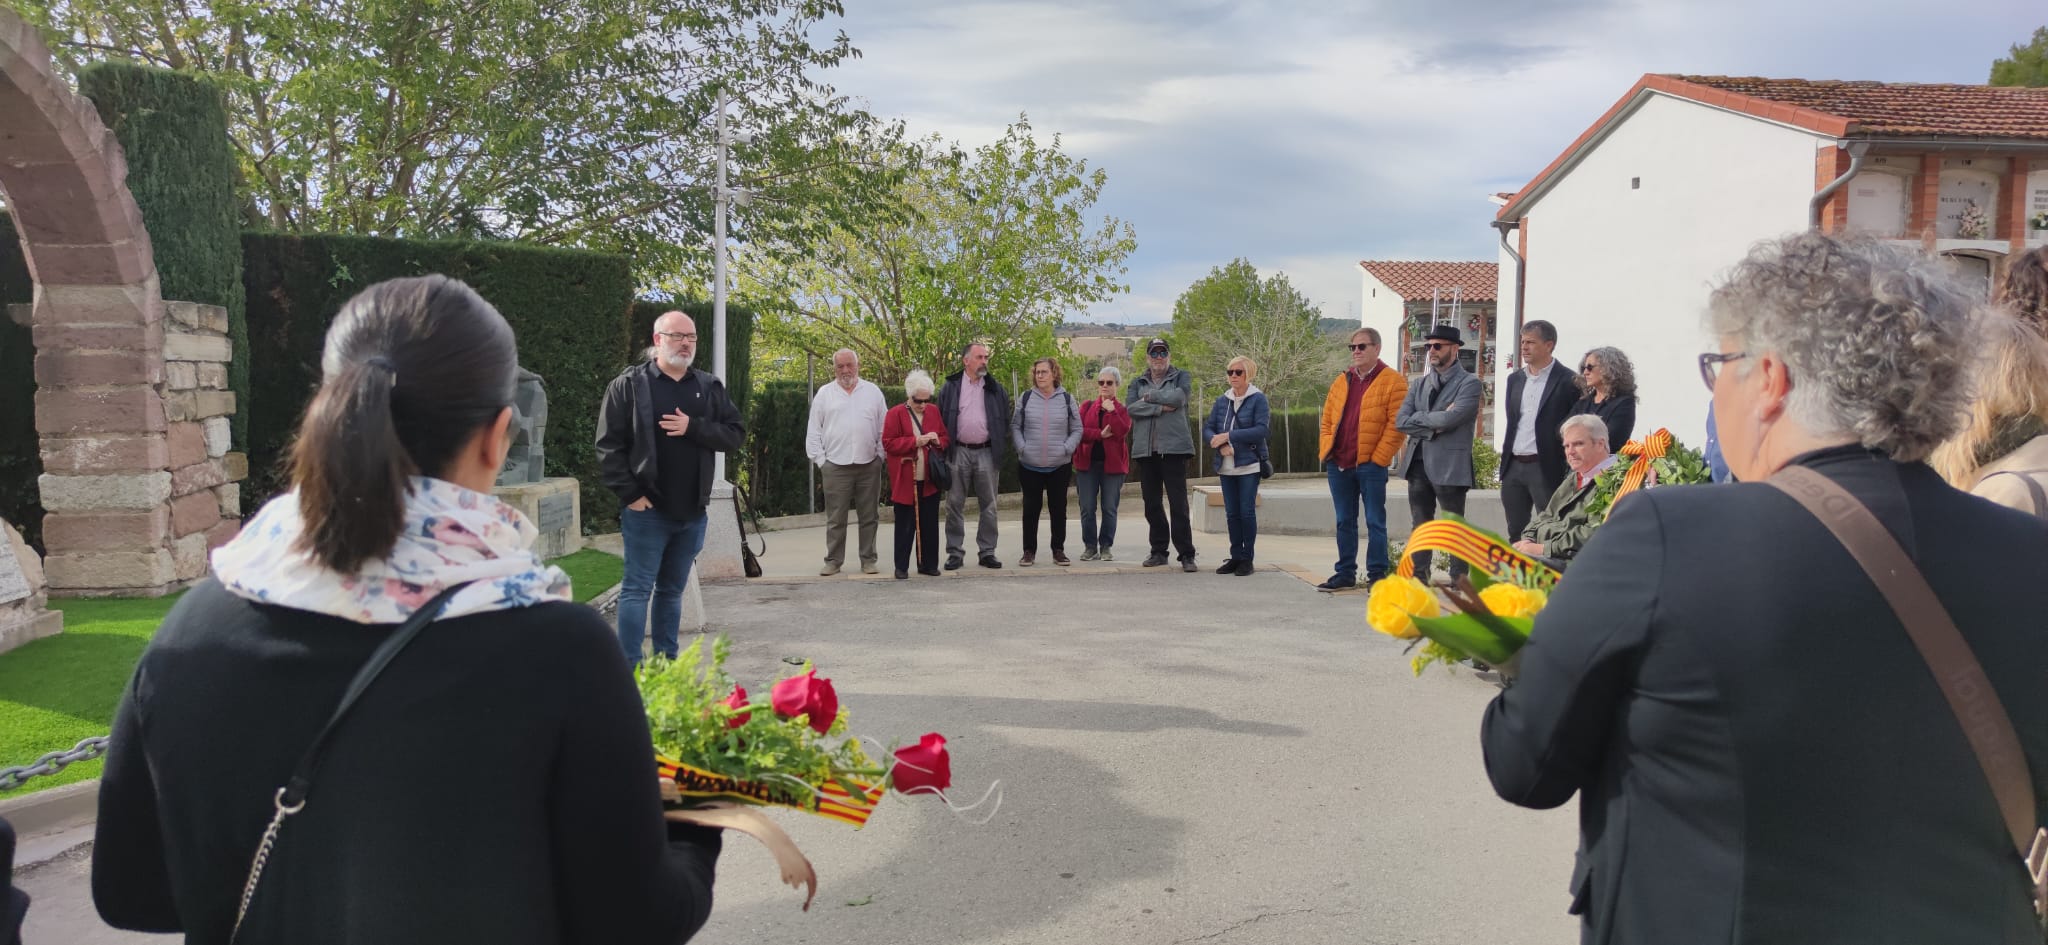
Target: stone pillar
{"type": "Point", "coordinates": [206, 492]}
{"type": "Point", "coordinates": [23, 614]}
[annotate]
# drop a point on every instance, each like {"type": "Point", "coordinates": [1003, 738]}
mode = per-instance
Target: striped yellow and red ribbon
{"type": "Point", "coordinates": [826, 800]}
{"type": "Point", "coordinates": [1496, 558]}
{"type": "Point", "coordinates": [1643, 451]}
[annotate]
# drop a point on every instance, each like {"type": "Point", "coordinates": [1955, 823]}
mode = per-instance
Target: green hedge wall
{"type": "Point", "coordinates": [739, 357]}
{"type": "Point", "coordinates": [568, 307]}
{"type": "Point", "coordinates": [173, 129]}
{"type": "Point", "coordinates": [21, 457]}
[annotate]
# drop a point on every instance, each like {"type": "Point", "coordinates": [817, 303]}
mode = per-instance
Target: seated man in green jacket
{"type": "Point", "coordinates": [1561, 529]}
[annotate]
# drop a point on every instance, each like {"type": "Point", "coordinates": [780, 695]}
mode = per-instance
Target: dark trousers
{"type": "Point", "coordinates": [1047, 490]}
{"type": "Point", "coordinates": [1521, 492]}
{"type": "Point", "coordinates": [1163, 480]}
{"type": "Point", "coordinates": [918, 525]}
{"type": "Point", "coordinates": [1241, 513]}
{"type": "Point", "coordinates": [1423, 500]}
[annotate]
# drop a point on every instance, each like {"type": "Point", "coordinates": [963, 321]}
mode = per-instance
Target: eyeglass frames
{"type": "Point", "coordinates": [1364, 346]}
{"type": "Point", "coordinates": [677, 335]}
{"type": "Point", "coordinates": [1235, 372]}
{"type": "Point", "coordinates": [1439, 345]}
{"type": "Point", "coordinates": [1710, 365]}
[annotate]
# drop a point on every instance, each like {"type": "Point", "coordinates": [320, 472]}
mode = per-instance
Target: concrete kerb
{"type": "Point", "coordinates": [52, 822]}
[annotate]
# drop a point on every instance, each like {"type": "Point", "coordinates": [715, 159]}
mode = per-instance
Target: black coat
{"type": "Point", "coordinates": [1760, 753]}
{"type": "Point", "coordinates": [1619, 413]}
{"type": "Point", "coordinates": [626, 431]}
{"type": "Point", "coordinates": [994, 400]}
{"type": "Point", "coordinates": [495, 784]}
{"type": "Point", "coordinates": [1559, 391]}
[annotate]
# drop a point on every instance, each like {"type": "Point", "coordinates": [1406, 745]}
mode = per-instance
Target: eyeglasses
{"type": "Point", "coordinates": [1105, 383]}
{"type": "Point", "coordinates": [1363, 346]}
{"type": "Point", "coordinates": [1710, 365]}
{"type": "Point", "coordinates": [1155, 354]}
{"type": "Point", "coordinates": [1235, 372]}
{"type": "Point", "coordinates": [1439, 345]}
{"type": "Point", "coordinates": [1587, 367]}
{"type": "Point", "coordinates": [676, 335]}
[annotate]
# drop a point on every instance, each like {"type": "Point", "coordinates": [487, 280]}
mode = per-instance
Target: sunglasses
{"type": "Point", "coordinates": [1235, 372]}
{"type": "Point", "coordinates": [1440, 345]}
{"type": "Point", "coordinates": [1363, 346]}
{"type": "Point", "coordinates": [1105, 383]}
{"type": "Point", "coordinates": [1588, 366]}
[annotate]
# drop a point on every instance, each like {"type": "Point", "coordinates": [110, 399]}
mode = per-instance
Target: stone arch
{"type": "Point", "coordinates": [98, 326]}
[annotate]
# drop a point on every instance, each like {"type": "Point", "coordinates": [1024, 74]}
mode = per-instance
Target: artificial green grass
{"type": "Point", "coordinates": [61, 689]}
{"type": "Point", "coordinates": [592, 571]}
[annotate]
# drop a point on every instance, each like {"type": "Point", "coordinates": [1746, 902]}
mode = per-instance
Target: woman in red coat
{"type": "Point", "coordinates": [911, 434]}
{"type": "Point", "coordinates": [1102, 463]}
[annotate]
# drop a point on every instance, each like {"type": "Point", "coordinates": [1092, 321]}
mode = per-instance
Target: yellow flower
{"type": "Point", "coordinates": [1394, 604]}
{"type": "Point", "coordinates": [1507, 600]}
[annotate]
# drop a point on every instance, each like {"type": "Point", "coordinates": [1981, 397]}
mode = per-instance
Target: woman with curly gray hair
{"type": "Point", "coordinates": [1609, 382]}
{"type": "Point", "coordinates": [1760, 751]}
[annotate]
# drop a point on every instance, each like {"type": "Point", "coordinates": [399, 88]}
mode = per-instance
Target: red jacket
{"type": "Point", "coordinates": [1116, 447]}
{"type": "Point", "coordinates": [899, 445]}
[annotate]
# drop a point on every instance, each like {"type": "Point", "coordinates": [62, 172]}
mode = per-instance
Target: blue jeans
{"type": "Point", "coordinates": [1241, 513]}
{"type": "Point", "coordinates": [659, 554]}
{"type": "Point", "coordinates": [1365, 482]}
{"type": "Point", "coordinates": [1097, 487]}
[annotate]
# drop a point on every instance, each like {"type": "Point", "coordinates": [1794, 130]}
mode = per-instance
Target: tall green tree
{"type": "Point", "coordinates": [583, 123]}
{"type": "Point", "coordinates": [1231, 312]}
{"type": "Point", "coordinates": [999, 244]}
{"type": "Point", "coordinates": [2028, 64]}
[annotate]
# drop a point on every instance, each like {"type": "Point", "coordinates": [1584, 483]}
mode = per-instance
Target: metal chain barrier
{"type": "Point", "coordinates": [11, 778]}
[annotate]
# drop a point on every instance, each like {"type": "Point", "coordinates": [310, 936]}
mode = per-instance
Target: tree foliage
{"type": "Point", "coordinates": [2028, 64]}
{"type": "Point", "coordinates": [998, 244]}
{"type": "Point", "coordinates": [583, 123]}
{"type": "Point", "coordinates": [1231, 312]}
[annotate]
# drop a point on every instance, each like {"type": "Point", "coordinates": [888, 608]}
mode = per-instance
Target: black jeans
{"type": "Point", "coordinates": [1423, 500]}
{"type": "Point", "coordinates": [1163, 480]}
{"type": "Point", "coordinates": [1047, 490]}
{"type": "Point", "coordinates": [918, 525]}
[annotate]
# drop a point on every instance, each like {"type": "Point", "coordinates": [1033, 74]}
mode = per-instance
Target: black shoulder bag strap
{"type": "Point", "coordinates": [1978, 710]}
{"type": "Point", "coordinates": [292, 797]}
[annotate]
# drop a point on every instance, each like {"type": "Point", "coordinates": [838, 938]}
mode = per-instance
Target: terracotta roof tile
{"type": "Point", "coordinates": [1416, 279]}
{"type": "Point", "coordinates": [1899, 109]}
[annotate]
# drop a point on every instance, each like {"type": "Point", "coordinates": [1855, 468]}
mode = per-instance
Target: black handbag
{"type": "Point", "coordinates": [935, 468]}
{"type": "Point", "coordinates": [743, 508]}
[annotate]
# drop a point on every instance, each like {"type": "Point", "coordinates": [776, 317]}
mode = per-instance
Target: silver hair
{"type": "Point", "coordinates": [1616, 370]}
{"type": "Point", "coordinates": [1876, 338]}
{"type": "Point", "coordinates": [855, 354]}
{"type": "Point", "coordinates": [1590, 423]}
{"type": "Point", "coordinates": [1114, 374]}
{"type": "Point", "coordinates": [916, 381]}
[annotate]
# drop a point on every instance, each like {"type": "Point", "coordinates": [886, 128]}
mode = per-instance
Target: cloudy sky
{"type": "Point", "coordinates": [1308, 136]}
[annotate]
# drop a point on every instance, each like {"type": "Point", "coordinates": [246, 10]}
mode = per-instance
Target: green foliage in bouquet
{"type": "Point", "coordinates": [694, 718]}
{"type": "Point", "coordinates": [1679, 466]}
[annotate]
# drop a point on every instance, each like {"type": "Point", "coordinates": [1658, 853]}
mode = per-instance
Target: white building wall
{"type": "Point", "coordinates": [1507, 347]}
{"type": "Point", "coordinates": [1615, 262]}
{"type": "Point", "coordinates": [1379, 308]}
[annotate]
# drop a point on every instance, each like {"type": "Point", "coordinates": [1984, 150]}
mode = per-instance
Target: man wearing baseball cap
{"type": "Point", "coordinates": [1162, 443]}
{"type": "Point", "coordinates": [1438, 416]}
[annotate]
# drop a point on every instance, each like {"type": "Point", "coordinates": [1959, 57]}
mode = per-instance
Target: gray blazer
{"type": "Point", "coordinates": [1442, 437]}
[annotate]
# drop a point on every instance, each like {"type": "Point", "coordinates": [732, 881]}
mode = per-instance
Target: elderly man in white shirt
{"type": "Point", "coordinates": [845, 440]}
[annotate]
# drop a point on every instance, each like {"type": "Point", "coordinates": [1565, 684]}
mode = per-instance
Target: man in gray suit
{"type": "Point", "coordinates": [1438, 415]}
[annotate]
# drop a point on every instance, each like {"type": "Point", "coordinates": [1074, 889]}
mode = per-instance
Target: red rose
{"type": "Point", "coordinates": [807, 695]}
{"type": "Point", "coordinates": [738, 700]}
{"type": "Point", "coordinates": [924, 766]}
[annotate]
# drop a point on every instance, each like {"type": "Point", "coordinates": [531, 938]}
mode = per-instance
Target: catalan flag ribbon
{"type": "Point", "coordinates": [1643, 451]}
{"type": "Point", "coordinates": [1480, 549]}
{"type": "Point", "coordinates": [826, 800]}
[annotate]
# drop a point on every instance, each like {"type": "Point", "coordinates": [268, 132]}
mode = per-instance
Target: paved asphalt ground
{"type": "Point", "coordinates": [1183, 758]}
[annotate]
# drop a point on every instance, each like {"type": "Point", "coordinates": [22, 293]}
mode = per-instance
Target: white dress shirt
{"type": "Point", "coordinates": [846, 425]}
{"type": "Point", "coordinates": [1532, 399]}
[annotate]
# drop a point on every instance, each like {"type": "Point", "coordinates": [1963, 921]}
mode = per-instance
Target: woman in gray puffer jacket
{"type": "Point", "coordinates": [1045, 429]}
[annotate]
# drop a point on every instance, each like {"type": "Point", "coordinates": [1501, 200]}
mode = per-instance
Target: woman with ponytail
{"type": "Point", "coordinates": [491, 779]}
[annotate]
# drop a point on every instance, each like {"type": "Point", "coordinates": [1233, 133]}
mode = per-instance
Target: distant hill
{"type": "Point", "coordinates": [1338, 327]}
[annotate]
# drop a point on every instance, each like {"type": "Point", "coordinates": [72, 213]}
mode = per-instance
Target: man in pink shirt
{"type": "Point", "coordinates": [977, 411]}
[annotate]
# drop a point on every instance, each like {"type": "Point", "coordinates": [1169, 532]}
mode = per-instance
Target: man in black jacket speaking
{"type": "Point", "coordinates": [657, 431]}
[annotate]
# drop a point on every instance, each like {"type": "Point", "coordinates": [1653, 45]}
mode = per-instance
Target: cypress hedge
{"type": "Point", "coordinates": [21, 457]}
{"type": "Point", "coordinates": [568, 307]}
{"type": "Point", "coordinates": [739, 357]}
{"type": "Point", "coordinates": [173, 129]}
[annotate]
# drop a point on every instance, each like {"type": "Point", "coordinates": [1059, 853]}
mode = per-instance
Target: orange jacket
{"type": "Point", "coordinates": [1378, 441]}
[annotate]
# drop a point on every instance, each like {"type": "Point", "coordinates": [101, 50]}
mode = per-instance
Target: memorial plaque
{"type": "Point", "coordinates": [13, 583]}
{"type": "Point", "coordinates": [556, 512]}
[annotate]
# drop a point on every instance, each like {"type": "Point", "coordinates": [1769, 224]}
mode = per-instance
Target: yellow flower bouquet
{"type": "Point", "coordinates": [1490, 610]}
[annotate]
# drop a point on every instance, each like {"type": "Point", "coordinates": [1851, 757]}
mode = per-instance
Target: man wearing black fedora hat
{"type": "Point", "coordinates": [1438, 416]}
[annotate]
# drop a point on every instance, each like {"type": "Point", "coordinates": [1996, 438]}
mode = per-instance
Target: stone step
{"type": "Point", "coordinates": [1303, 507]}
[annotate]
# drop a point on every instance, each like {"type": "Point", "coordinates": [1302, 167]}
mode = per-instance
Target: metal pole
{"type": "Point", "coordinates": [1287, 439]}
{"type": "Point", "coordinates": [718, 276]}
{"type": "Point", "coordinates": [810, 468]}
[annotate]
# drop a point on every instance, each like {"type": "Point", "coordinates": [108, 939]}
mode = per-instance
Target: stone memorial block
{"type": "Point", "coordinates": [524, 463]}
{"type": "Point", "coordinates": [23, 616]}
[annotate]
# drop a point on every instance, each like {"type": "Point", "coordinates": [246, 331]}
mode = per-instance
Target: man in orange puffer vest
{"type": "Point", "coordinates": [1358, 443]}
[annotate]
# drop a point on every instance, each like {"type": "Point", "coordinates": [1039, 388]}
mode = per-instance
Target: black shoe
{"type": "Point", "coordinates": [1244, 567]}
{"type": "Point", "coordinates": [931, 573]}
{"type": "Point", "coordinates": [1155, 561]}
{"type": "Point", "coordinates": [1188, 565]}
{"type": "Point", "coordinates": [989, 561]}
{"type": "Point", "coordinates": [902, 575]}
{"type": "Point", "coordinates": [1339, 582]}
{"type": "Point", "coordinates": [1372, 579]}
{"type": "Point", "coordinates": [1228, 566]}
{"type": "Point", "coordinates": [953, 563]}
